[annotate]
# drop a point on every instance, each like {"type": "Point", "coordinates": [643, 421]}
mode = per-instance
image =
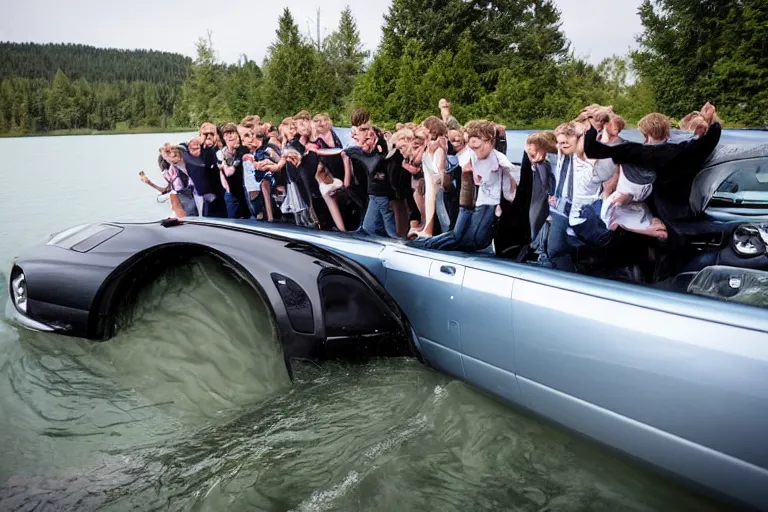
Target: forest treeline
{"type": "Point", "coordinates": [506, 60]}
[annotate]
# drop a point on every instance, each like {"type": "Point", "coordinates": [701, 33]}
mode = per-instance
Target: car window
{"type": "Point", "coordinates": [748, 185]}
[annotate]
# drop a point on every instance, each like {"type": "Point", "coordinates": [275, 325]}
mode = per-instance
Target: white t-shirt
{"type": "Point", "coordinates": [488, 174]}
{"type": "Point", "coordinates": [588, 178]}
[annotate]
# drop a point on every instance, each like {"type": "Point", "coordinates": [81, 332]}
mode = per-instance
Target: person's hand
{"type": "Point", "coordinates": [143, 177]}
{"type": "Point", "coordinates": [552, 201]}
{"type": "Point", "coordinates": [708, 112]}
{"type": "Point", "coordinates": [468, 167]}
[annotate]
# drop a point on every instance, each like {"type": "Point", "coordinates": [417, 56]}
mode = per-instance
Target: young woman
{"type": "Point", "coordinates": [179, 184]}
{"type": "Point", "coordinates": [433, 164]}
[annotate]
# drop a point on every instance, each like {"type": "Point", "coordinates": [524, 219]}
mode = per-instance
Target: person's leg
{"type": "Point", "coordinates": [188, 203]}
{"type": "Point", "coordinates": [484, 231]}
{"type": "Point", "coordinates": [447, 241]}
{"type": "Point", "coordinates": [559, 251]}
{"type": "Point", "coordinates": [333, 207]}
{"type": "Point", "coordinates": [387, 217]}
{"type": "Point", "coordinates": [401, 217]}
{"type": "Point", "coordinates": [232, 205]}
{"type": "Point", "coordinates": [442, 210]}
{"type": "Point", "coordinates": [217, 208]}
{"type": "Point", "coordinates": [371, 219]}
{"type": "Point", "coordinates": [430, 204]}
{"type": "Point", "coordinates": [593, 230]}
{"type": "Point", "coordinates": [266, 196]}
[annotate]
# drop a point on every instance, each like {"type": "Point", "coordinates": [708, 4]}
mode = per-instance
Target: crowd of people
{"type": "Point", "coordinates": [446, 186]}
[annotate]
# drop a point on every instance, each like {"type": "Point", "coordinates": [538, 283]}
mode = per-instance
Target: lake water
{"type": "Point", "coordinates": [198, 413]}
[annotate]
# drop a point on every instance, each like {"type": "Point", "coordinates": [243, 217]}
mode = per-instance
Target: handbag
{"type": "Point", "coordinates": [293, 202]}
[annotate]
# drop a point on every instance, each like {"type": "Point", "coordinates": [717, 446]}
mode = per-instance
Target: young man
{"type": "Point", "coordinates": [214, 205]}
{"type": "Point", "coordinates": [675, 165]}
{"type": "Point", "coordinates": [492, 172]}
{"type": "Point", "coordinates": [370, 157]}
{"type": "Point", "coordinates": [230, 163]}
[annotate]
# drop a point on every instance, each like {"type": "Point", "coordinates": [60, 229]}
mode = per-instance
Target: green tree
{"type": "Point", "coordinates": [695, 51]}
{"type": "Point", "coordinates": [60, 107]}
{"type": "Point", "coordinates": [289, 70]}
{"type": "Point", "coordinates": [345, 54]}
{"type": "Point", "coordinates": [201, 89]}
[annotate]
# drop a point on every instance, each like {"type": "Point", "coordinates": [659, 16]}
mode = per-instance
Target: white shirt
{"type": "Point", "coordinates": [487, 174]}
{"type": "Point", "coordinates": [588, 178]}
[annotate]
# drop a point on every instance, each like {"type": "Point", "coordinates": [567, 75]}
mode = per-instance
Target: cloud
{"type": "Point", "coordinates": [596, 28]}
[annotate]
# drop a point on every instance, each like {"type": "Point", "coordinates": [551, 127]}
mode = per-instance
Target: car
{"type": "Point", "coordinates": [324, 305]}
{"type": "Point", "coordinates": [658, 371]}
{"type": "Point", "coordinates": [679, 381]}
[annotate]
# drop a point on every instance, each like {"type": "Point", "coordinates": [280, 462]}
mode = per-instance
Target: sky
{"type": "Point", "coordinates": [596, 28]}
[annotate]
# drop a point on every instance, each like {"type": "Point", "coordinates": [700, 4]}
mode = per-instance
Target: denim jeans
{"type": "Point", "coordinates": [559, 251]}
{"type": "Point", "coordinates": [216, 208]}
{"type": "Point", "coordinates": [593, 230]}
{"type": "Point", "coordinates": [379, 218]}
{"type": "Point", "coordinates": [235, 210]}
{"type": "Point", "coordinates": [473, 232]}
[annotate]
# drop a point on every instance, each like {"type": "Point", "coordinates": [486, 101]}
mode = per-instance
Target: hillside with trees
{"type": "Point", "coordinates": [506, 60]}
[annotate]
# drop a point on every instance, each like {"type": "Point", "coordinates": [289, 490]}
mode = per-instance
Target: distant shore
{"type": "Point", "coordinates": [87, 131]}
{"type": "Point", "coordinates": [138, 130]}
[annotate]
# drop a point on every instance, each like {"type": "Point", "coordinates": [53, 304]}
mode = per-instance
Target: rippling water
{"type": "Point", "coordinates": [190, 406]}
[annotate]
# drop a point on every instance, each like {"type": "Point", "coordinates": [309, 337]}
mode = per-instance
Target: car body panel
{"type": "Point", "coordinates": [679, 381]}
{"type": "Point", "coordinates": [676, 380]}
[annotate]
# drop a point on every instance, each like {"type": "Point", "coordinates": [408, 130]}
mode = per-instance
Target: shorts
{"type": "Point", "coordinates": [639, 193]}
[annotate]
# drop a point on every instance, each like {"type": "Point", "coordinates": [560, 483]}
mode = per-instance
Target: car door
{"type": "Point", "coordinates": [487, 341]}
{"type": "Point", "coordinates": [679, 381]}
{"type": "Point", "coordinates": [428, 289]}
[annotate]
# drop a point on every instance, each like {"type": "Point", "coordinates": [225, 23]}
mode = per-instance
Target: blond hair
{"type": "Point", "coordinates": [303, 116]}
{"type": "Point", "coordinates": [655, 125]}
{"type": "Point", "coordinates": [690, 122]}
{"type": "Point", "coordinates": [618, 121]}
{"type": "Point", "coordinates": [567, 129]}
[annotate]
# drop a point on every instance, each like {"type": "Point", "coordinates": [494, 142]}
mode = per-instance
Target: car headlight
{"type": "Point", "coordinates": [749, 240]}
{"type": "Point", "coordinates": [19, 291]}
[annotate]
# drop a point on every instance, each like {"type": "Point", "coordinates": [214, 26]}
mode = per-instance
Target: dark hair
{"type": "Point", "coordinates": [360, 116]}
{"type": "Point", "coordinates": [164, 166]}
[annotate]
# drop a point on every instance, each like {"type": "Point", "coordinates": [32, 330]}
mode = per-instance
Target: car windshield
{"type": "Point", "coordinates": [748, 185]}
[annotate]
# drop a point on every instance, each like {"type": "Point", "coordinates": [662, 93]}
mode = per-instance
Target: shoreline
{"type": "Point", "coordinates": [86, 131]}
{"type": "Point", "coordinates": [148, 130]}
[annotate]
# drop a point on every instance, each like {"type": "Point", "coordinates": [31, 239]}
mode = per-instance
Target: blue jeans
{"type": "Point", "coordinates": [379, 218]}
{"type": "Point", "coordinates": [473, 232]}
{"type": "Point", "coordinates": [235, 210]}
{"type": "Point", "coordinates": [216, 209]}
{"type": "Point", "coordinates": [593, 230]}
{"type": "Point", "coordinates": [559, 251]}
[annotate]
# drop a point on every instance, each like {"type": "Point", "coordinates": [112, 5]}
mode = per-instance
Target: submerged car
{"type": "Point", "coordinates": [677, 380]}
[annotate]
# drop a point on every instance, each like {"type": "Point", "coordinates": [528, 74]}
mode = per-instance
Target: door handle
{"type": "Point", "coordinates": [448, 269]}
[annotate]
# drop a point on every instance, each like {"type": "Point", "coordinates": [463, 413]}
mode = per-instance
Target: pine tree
{"type": "Point", "coordinates": [344, 53]}
{"type": "Point", "coordinates": [289, 70]}
{"type": "Point", "coordinates": [60, 108]}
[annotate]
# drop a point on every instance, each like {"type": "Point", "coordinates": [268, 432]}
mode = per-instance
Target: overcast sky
{"type": "Point", "coordinates": [596, 28]}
